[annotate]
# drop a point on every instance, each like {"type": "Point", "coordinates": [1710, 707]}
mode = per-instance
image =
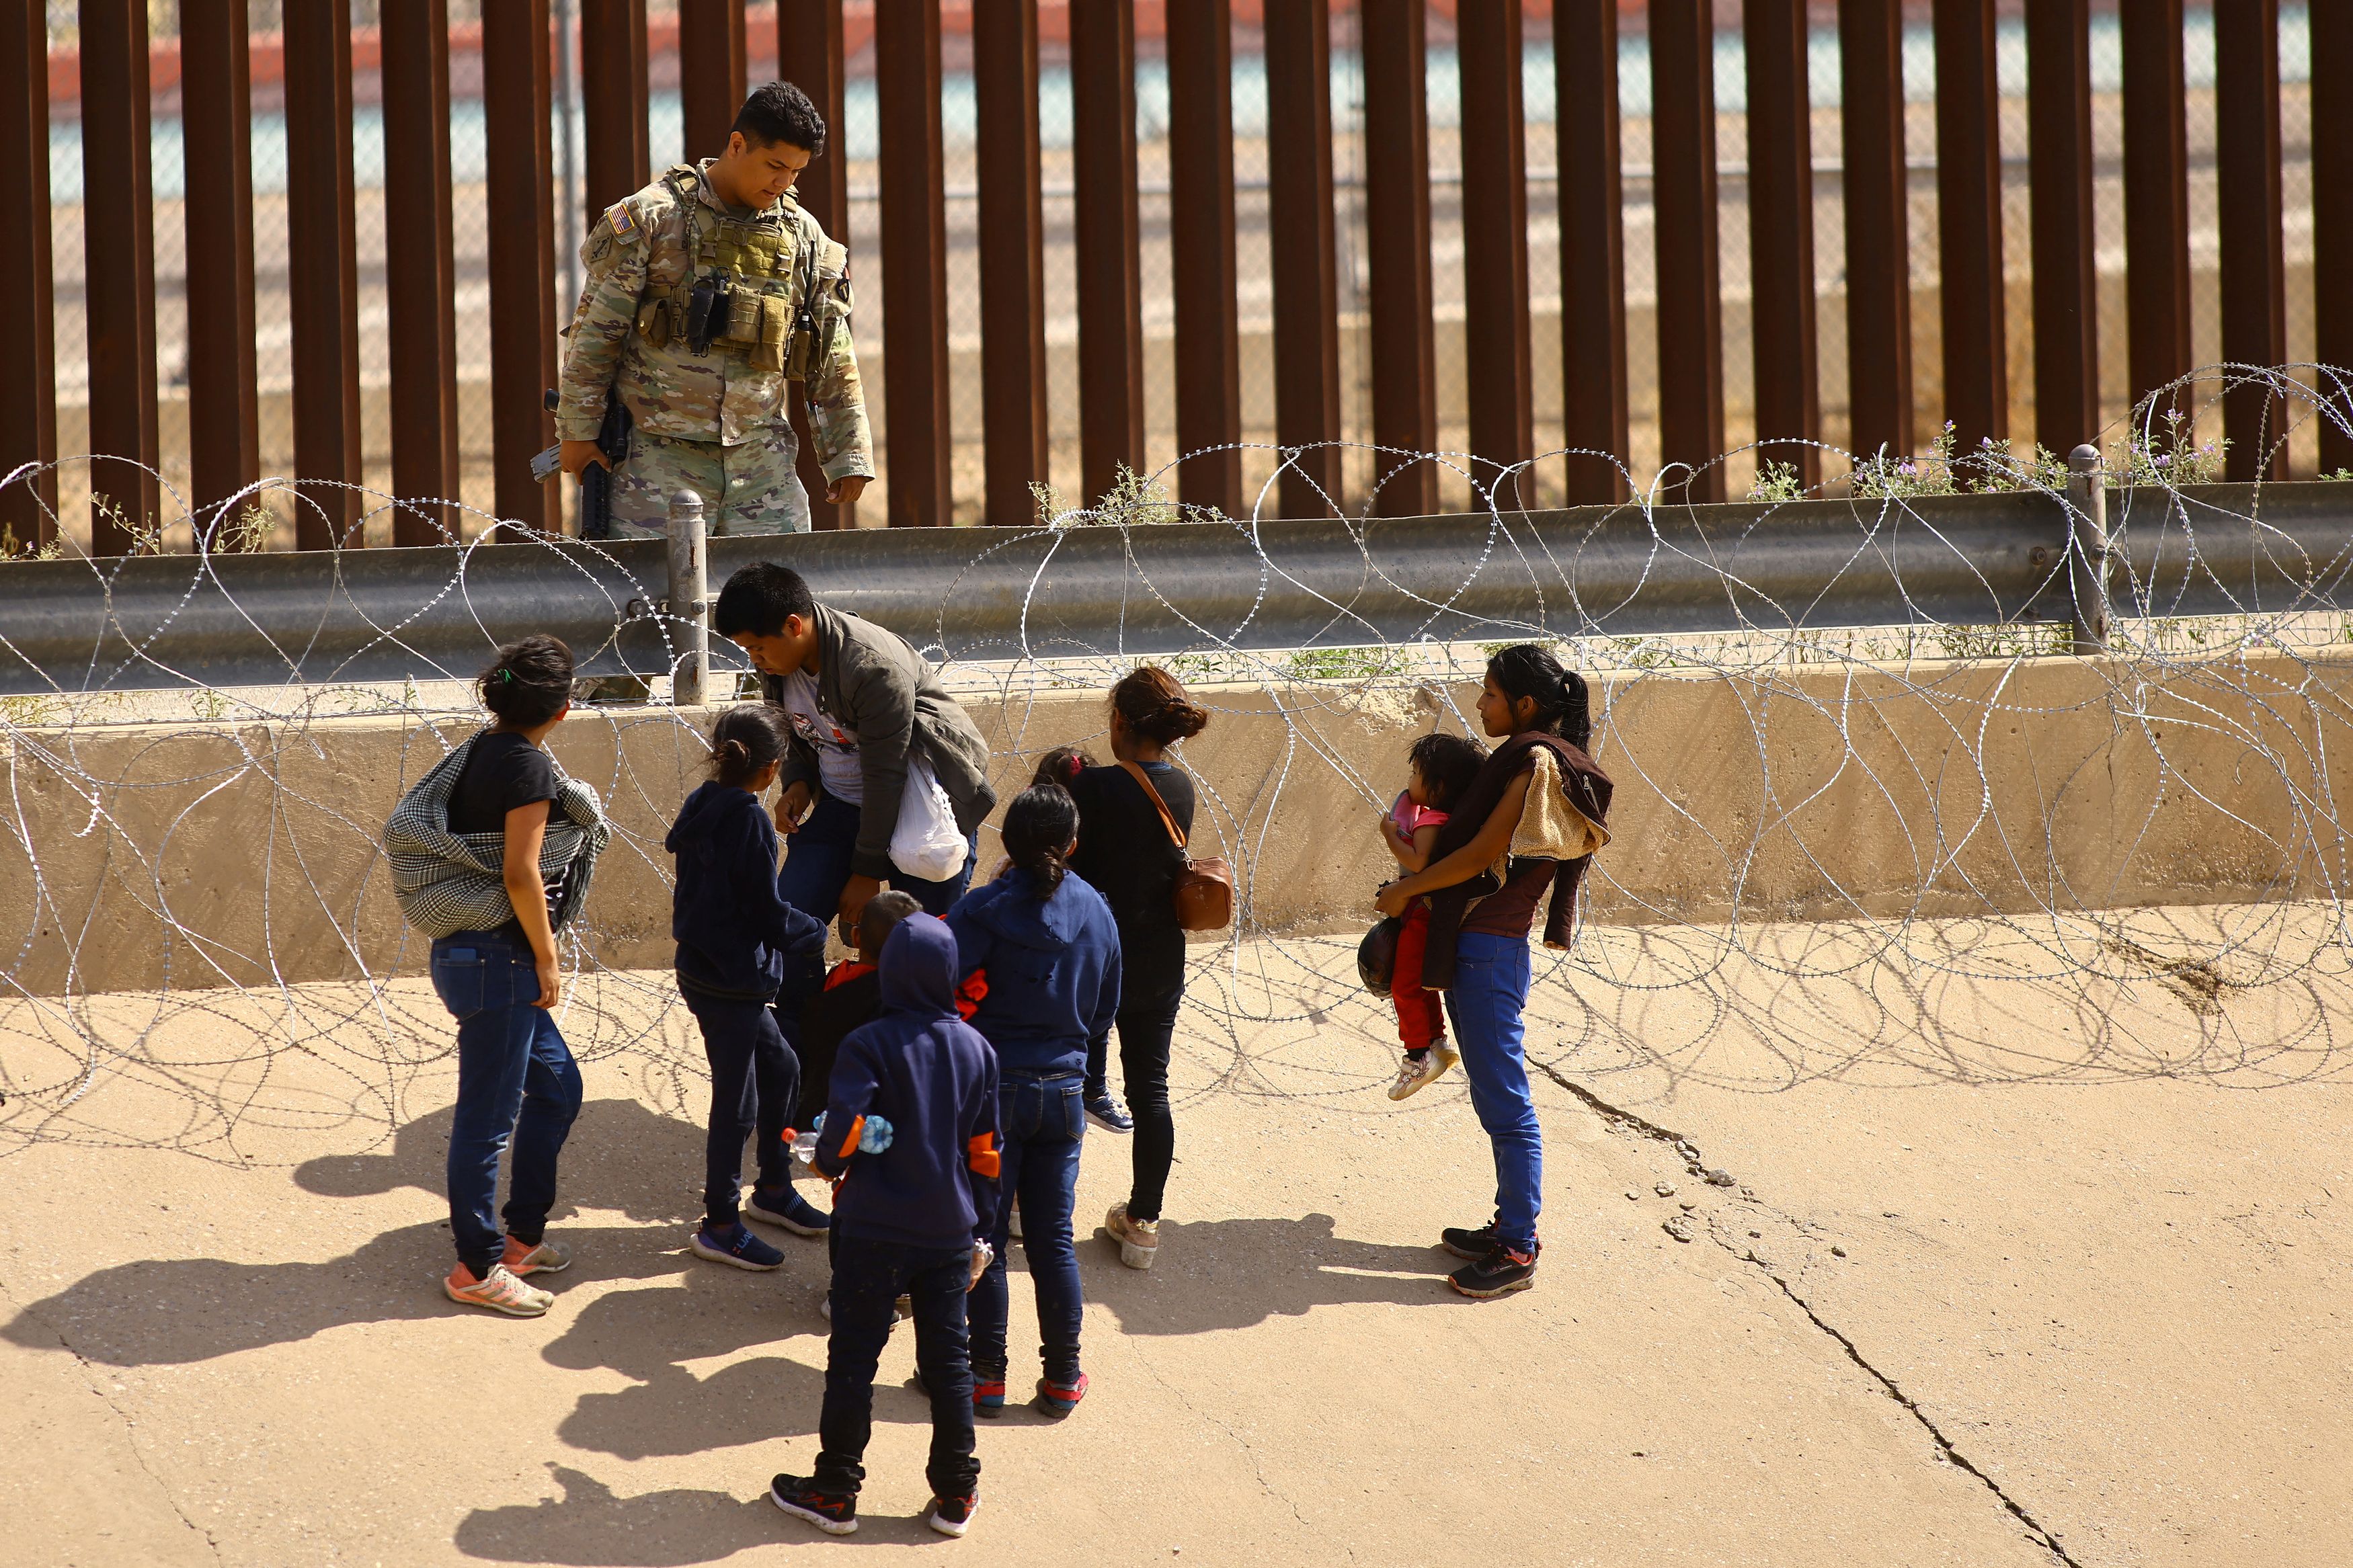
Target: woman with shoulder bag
{"type": "Point", "coordinates": [1134, 817]}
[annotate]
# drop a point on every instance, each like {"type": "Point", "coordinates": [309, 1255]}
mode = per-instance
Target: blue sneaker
{"type": "Point", "coordinates": [738, 1247]}
{"type": "Point", "coordinates": [786, 1208]}
{"type": "Point", "coordinates": [1105, 1112]}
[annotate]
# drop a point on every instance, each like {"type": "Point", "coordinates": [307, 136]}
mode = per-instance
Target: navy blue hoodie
{"type": "Point", "coordinates": [933, 1078]}
{"type": "Point", "coordinates": [1052, 969]}
{"type": "Point", "coordinates": [736, 939]}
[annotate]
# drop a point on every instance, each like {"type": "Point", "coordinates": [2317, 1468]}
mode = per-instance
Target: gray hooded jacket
{"type": "Point", "coordinates": [884, 692]}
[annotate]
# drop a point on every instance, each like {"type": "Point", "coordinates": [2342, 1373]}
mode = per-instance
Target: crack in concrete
{"type": "Point", "coordinates": [130, 1427]}
{"type": "Point", "coordinates": [1257, 1469]}
{"type": "Point", "coordinates": [1626, 1120]}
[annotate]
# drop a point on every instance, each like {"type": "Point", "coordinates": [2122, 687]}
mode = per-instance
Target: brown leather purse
{"type": "Point", "coordinates": [1204, 894]}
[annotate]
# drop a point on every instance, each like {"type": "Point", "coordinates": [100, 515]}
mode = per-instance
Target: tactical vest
{"type": "Point", "coordinates": [739, 292]}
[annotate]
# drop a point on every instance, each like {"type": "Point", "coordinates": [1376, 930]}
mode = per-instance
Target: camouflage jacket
{"type": "Point", "coordinates": [629, 329]}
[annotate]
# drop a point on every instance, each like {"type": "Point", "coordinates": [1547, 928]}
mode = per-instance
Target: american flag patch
{"type": "Point", "coordinates": [624, 227]}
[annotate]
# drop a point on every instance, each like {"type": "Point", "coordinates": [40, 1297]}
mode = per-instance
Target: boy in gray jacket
{"type": "Point", "coordinates": [862, 705]}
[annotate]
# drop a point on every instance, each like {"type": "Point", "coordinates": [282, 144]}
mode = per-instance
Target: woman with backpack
{"type": "Point", "coordinates": [1134, 817]}
{"type": "Point", "coordinates": [492, 853]}
{"type": "Point", "coordinates": [1528, 825]}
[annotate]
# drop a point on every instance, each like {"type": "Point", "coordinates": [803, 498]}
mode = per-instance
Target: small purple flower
{"type": "Point", "coordinates": [2162, 459]}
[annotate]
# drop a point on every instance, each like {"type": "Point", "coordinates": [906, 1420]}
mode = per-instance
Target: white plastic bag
{"type": "Point", "coordinates": [926, 844]}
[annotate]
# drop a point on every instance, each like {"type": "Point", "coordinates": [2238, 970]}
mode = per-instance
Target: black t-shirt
{"type": "Point", "coordinates": [504, 771]}
{"type": "Point", "coordinates": [1125, 853]}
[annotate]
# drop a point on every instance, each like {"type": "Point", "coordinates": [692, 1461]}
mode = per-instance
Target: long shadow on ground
{"type": "Point", "coordinates": [593, 1528]}
{"type": "Point", "coordinates": [1232, 1273]}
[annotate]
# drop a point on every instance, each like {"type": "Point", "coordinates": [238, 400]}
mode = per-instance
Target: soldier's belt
{"type": "Point", "coordinates": [757, 324]}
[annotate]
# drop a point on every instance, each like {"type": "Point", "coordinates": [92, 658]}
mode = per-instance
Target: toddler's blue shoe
{"type": "Point", "coordinates": [738, 1247]}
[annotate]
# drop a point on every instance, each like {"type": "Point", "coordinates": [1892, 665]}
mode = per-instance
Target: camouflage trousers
{"type": "Point", "coordinates": [751, 487]}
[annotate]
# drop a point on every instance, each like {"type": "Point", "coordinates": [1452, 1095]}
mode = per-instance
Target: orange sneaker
{"type": "Point", "coordinates": [501, 1292]}
{"type": "Point", "coordinates": [546, 1257]}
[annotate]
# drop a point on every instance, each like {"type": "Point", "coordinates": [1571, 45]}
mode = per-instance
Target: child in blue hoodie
{"type": "Point", "coordinates": [738, 945]}
{"type": "Point", "coordinates": [1049, 952]}
{"type": "Point", "coordinates": [910, 1133]}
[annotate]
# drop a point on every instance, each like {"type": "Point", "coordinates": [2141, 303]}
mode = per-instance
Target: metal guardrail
{"type": "Point", "coordinates": [159, 622]}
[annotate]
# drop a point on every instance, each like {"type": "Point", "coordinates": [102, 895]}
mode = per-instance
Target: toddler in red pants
{"type": "Point", "coordinates": [1438, 769]}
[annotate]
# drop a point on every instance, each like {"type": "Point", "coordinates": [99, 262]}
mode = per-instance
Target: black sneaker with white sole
{"type": "Point", "coordinates": [953, 1515]}
{"type": "Point", "coordinates": [836, 1513]}
{"type": "Point", "coordinates": [1105, 1112]}
{"type": "Point", "coordinates": [1500, 1272]}
{"type": "Point", "coordinates": [1469, 1243]}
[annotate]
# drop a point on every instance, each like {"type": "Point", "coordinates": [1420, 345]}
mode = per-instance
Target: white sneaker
{"type": "Point", "coordinates": [1138, 1239]}
{"type": "Point", "coordinates": [1414, 1075]}
{"type": "Point", "coordinates": [499, 1290]}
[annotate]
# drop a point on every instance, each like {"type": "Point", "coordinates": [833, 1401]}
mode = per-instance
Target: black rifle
{"type": "Point", "coordinates": [596, 482]}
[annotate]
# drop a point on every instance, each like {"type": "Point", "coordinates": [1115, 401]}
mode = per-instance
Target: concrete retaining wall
{"type": "Point", "coordinates": [198, 856]}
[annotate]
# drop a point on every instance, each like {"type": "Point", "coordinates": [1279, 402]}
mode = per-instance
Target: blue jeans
{"type": "Point", "coordinates": [1042, 1122]}
{"type": "Point", "coordinates": [516, 1080]}
{"type": "Point", "coordinates": [1490, 988]}
{"type": "Point", "coordinates": [817, 864]}
{"type": "Point", "coordinates": [756, 1081]}
{"type": "Point", "coordinates": [869, 1277]}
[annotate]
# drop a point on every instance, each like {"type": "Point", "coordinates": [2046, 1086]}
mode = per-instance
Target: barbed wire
{"type": "Point", "coordinates": [1674, 977]}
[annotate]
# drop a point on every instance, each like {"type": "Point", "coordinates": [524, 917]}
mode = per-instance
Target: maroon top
{"type": "Point", "coordinates": [1513, 911]}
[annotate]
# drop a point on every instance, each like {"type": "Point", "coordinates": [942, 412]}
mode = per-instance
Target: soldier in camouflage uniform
{"type": "Point", "coordinates": [709, 293]}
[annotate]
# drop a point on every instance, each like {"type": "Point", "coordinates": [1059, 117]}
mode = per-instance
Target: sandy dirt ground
{"type": "Point", "coordinates": [2031, 1256]}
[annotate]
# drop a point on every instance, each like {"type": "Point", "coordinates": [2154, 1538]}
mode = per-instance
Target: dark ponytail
{"type": "Point", "coordinates": [1564, 705]}
{"type": "Point", "coordinates": [1038, 828]}
{"type": "Point", "coordinates": [529, 683]}
{"type": "Point", "coordinates": [747, 738]}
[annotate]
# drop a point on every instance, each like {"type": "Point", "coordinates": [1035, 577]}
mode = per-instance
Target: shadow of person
{"type": "Point", "coordinates": [674, 1412]}
{"type": "Point", "coordinates": [180, 1310]}
{"type": "Point", "coordinates": [621, 1154]}
{"type": "Point", "coordinates": [1232, 1273]}
{"type": "Point", "coordinates": [593, 1528]}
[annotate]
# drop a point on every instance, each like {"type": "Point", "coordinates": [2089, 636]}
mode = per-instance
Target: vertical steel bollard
{"type": "Point", "coordinates": [2087, 548]}
{"type": "Point", "coordinates": [690, 627]}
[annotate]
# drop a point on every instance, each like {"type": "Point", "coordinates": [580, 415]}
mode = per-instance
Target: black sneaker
{"type": "Point", "coordinates": [953, 1515]}
{"type": "Point", "coordinates": [836, 1513]}
{"type": "Point", "coordinates": [1500, 1273]}
{"type": "Point", "coordinates": [1471, 1244]}
{"type": "Point", "coordinates": [1105, 1114]}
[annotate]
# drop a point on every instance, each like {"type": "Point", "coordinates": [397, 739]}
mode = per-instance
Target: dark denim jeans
{"type": "Point", "coordinates": [1145, 1029]}
{"type": "Point", "coordinates": [756, 1081]}
{"type": "Point", "coordinates": [817, 865]}
{"type": "Point", "coordinates": [516, 1080]}
{"type": "Point", "coordinates": [1490, 988]}
{"type": "Point", "coordinates": [1042, 1122]}
{"type": "Point", "coordinates": [869, 1277]}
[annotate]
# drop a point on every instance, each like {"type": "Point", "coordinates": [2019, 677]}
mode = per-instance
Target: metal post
{"type": "Point", "coordinates": [2255, 268]}
{"type": "Point", "coordinates": [2059, 211]}
{"type": "Point", "coordinates": [423, 336]}
{"type": "Point", "coordinates": [1012, 259]}
{"type": "Point", "coordinates": [2332, 220]}
{"type": "Point", "coordinates": [223, 420]}
{"type": "Point", "coordinates": [689, 615]}
{"type": "Point", "coordinates": [809, 55]}
{"type": "Point", "coordinates": [2087, 548]}
{"type": "Point", "coordinates": [1878, 230]}
{"type": "Point", "coordinates": [2157, 195]}
{"type": "Point", "coordinates": [118, 241]}
{"type": "Point", "coordinates": [516, 109]}
{"type": "Point", "coordinates": [1111, 298]}
{"type": "Point", "coordinates": [1201, 255]}
{"type": "Point", "coordinates": [1972, 303]}
{"type": "Point", "coordinates": [1592, 245]}
{"type": "Point", "coordinates": [613, 86]}
{"type": "Point", "coordinates": [1690, 305]}
{"type": "Point", "coordinates": [1497, 362]}
{"type": "Point", "coordinates": [914, 264]}
{"type": "Point", "coordinates": [1302, 261]}
{"type": "Point", "coordinates": [1782, 235]}
{"type": "Point", "coordinates": [710, 67]}
{"type": "Point", "coordinates": [1403, 352]}
{"type": "Point", "coordinates": [28, 393]}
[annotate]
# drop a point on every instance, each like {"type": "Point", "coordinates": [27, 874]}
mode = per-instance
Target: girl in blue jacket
{"type": "Point", "coordinates": [738, 944]}
{"type": "Point", "coordinates": [1044, 944]}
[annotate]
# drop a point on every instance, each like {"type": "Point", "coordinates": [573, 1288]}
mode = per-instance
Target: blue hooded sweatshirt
{"type": "Point", "coordinates": [1052, 969]}
{"type": "Point", "coordinates": [933, 1078]}
{"type": "Point", "coordinates": [736, 939]}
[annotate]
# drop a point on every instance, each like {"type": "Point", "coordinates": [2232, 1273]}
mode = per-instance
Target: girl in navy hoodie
{"type": "Point", "coordinates": [1045, 945]}
{"type": "Point", "coordinates": [738, 944]}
